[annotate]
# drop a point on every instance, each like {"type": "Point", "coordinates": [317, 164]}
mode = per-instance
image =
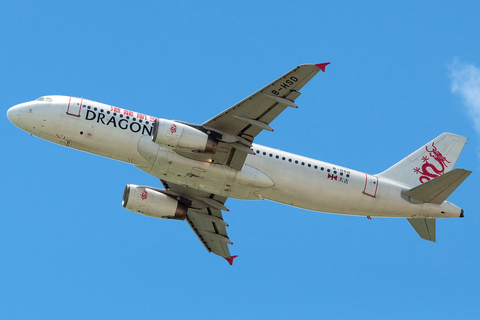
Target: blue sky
{"type": "Point", "coordinates": [401, 73]}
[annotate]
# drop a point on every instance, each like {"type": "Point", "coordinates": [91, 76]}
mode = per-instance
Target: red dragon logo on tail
{"type": "Point", "coordinates": [430, 170]}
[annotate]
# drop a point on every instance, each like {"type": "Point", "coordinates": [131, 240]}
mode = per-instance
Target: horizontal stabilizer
{"type": "Point", "coordinates": [436, 191]}
{"type": "Point", "coordinates": [424, 227]}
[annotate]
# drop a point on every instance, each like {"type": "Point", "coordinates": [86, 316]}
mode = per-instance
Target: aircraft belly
{"type": "Point", "coordinates": [299, 190]}
{"type": "Point", "coordinates": [321, 193]}
{"type": "Point", "coordinates": [170, 166]}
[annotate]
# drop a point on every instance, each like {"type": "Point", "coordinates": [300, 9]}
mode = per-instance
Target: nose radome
{"type": "Point", "coordinates": [13, 113]}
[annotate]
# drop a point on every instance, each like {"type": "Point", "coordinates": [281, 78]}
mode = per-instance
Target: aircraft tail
{"type": "Point", "coordinates": [430, 161]}
{"type": "Point", "coordinates": [437, 190]}
{"type": "Point", "coordinates": [424, 227]}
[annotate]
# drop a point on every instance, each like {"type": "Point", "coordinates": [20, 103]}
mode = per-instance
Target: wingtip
{"type": "Point", "coordinates": [230, 260]}
{"type": "Point", "coordinates": [322, 65]}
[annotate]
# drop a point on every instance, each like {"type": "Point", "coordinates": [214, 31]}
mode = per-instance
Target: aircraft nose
{"type": "Point", "coordinates": [13, 114]}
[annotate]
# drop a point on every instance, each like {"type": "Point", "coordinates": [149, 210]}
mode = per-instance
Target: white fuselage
{"type": "Point", "coordinates": [269, 174]}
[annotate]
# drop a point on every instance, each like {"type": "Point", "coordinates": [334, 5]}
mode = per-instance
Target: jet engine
{"type": "Point", "coordinates": [182, 137]}
{"type": "Point", "coordinates": [152, 203]}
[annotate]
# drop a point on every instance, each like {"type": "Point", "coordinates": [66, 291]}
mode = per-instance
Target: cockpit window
{"type": "Point", "coordinates": [46, 99]}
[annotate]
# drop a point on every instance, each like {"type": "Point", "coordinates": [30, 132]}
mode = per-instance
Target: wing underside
{"type": "Point", "coordinates": [236, 127]}
{"type": "Point", "coordinates": [210, 229]}
{"type": "Point", "coordinates": [204, 217]}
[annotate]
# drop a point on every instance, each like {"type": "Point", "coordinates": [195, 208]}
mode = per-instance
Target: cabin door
{"type": "Point", "coordinates": [74, 106]}
{"type": "Point", "coordinates": [371, 185]}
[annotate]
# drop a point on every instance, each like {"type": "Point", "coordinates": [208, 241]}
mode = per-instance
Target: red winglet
{"type": "Point", "coordinates": [230, 260]}
{"type": "Point", "coordinates": [322, 65]}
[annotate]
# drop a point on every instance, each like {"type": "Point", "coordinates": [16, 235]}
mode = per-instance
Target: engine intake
{"type": "Point", "coordinates": [152, 203]}
{"type": "Point", "coordinates": [179, 136]}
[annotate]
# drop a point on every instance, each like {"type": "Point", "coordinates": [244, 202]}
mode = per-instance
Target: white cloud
{"type": "Point", "coordinates": [466, 83]}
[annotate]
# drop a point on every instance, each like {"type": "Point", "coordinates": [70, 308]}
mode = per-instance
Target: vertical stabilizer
{"type": "Point", "coordinates": [430, 161]}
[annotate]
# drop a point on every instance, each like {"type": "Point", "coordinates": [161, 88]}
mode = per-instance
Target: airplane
{"type": "Point", "coordinates": [200, 166]}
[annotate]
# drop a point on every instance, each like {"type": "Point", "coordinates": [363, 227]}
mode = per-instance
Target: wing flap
{"type": "Point", "coordinates": [204, 217]}
{"type": "Point", "coordinates": [211, 233]}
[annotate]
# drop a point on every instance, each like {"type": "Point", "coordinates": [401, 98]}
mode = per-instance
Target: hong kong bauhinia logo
{"type": "Point", "coordinates": [430, 170]}
{"type": "Point", "coordinates": [144, 194]}
{"type": "Point", "coordinates": [173, 128]}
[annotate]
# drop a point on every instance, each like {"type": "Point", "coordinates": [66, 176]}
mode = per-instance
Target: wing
{"type": "Point", "coordinates": [237, 126]}
{"type": "Point", "coordinates": [205, 218]}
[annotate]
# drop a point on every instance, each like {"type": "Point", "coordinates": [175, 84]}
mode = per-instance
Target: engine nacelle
{"type": "Point", "coordinates": [179, 136]}
{"type": "Point", "coordinates": [152, 203]}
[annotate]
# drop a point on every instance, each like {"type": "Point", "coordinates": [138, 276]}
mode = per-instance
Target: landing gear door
{"type": "Point", "coordinates": [371, 185]}
{"type": "Point", "coordinates": [74, 106]}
